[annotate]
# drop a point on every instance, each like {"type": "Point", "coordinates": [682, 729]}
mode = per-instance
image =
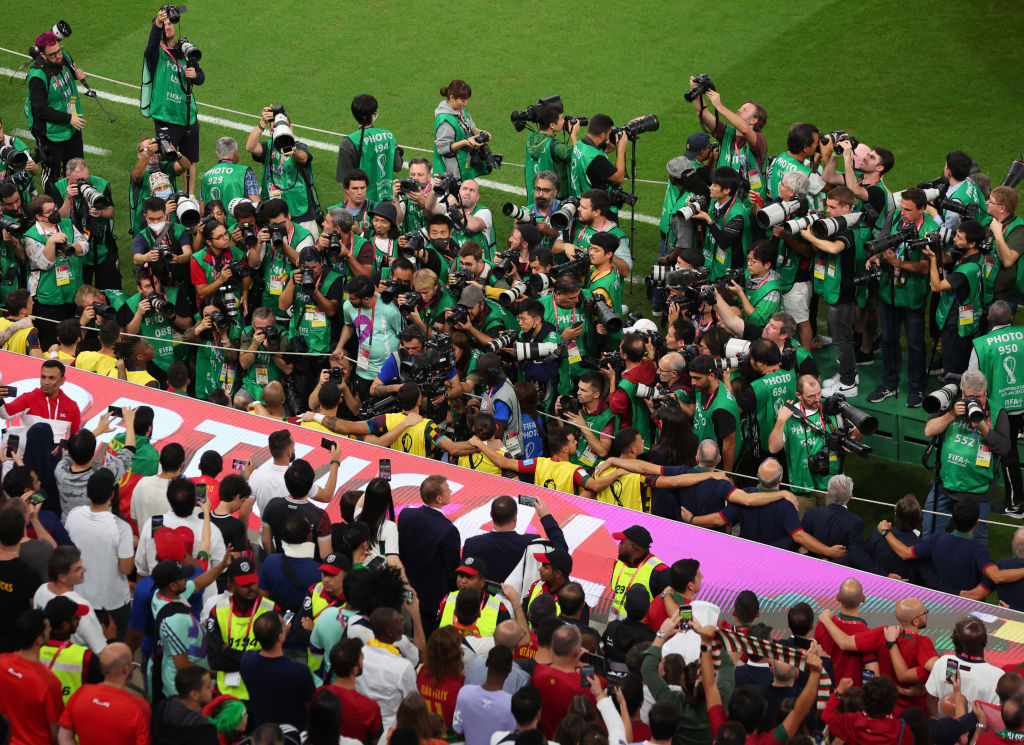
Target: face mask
{"type": "Point", "coordinates": [157, 227]}
{"type": "Point", "coordinates": [53, 218]}
{"type": "Point", "coordinates": [163, 194]}
{"type": "Point", "coordinates": [439, 244]}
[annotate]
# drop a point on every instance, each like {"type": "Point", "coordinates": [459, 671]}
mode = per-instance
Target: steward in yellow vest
{"type": "Point", "coordinates": [73, 664]}
{"type": "Point", "coordinates": [635, 565]}
{"type": "Point", "coordinates": [555, 567]}
{"type": "Point", "coordinates": [472, 575]}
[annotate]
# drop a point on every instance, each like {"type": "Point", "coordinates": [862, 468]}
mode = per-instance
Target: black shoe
{"type": "Point", "coordinates": [1015, 513]}
{"type": "Point", "coordinates": [863, 358]}
{"type": "Point", "coordinates": [915, 399]}
{"type": "Point", "coordinates": [999, 509]}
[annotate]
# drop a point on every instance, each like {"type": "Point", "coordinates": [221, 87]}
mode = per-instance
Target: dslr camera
{"type": "Point", "coordinates": [632, 130]}
{"type": "Point", "coordinates": [173, 12]}
{"type": "Point", "coordinates": [61, 29]}
{"type": "Point", "coordinates": [482, 156]}
{"type": "Point", "coordinates": [701, 84]}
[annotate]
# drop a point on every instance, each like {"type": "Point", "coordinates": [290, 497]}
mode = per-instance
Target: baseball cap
{"type": "Point", "coordinates": [336, 564]}
{"type": "Point", "coordinates": [62, 609]}
{"type": "Point", "coordinates": [530, 233]}
{"type": "Point", "coordinates": [473, 566]}
{"type": "Point", "coordinates": [556, 559]}
{"type": "Point", "coordinates": [167, 572]}
{"type": "Point", "coordinates": [636, 533]}
{"type": "Point", "coordinates": [637, 601]}
{"type": "Point", "coordinates": [643, 325]}
{"type": "Point", "coordinates": [702, 364]}
{"type": "Point", "coordinates": [680, 166]}
{"type": "Point", "coordinates": [695, 143]}
{"type": "Point", "coordinates": [243, 572]}
{"type": "Point", "coordinates": [170, 546]}
{"type": "Point", "coordinates": [471, 296]}
{"type": "Point", "coordinates": [387, 211]}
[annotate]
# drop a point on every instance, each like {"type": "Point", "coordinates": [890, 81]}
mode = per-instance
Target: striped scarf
{"type": "Point", "coordinates": [734, 641]}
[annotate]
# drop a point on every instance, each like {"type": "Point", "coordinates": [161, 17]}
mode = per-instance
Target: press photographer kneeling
{"type": "Point", "coordinates": [971, 442]}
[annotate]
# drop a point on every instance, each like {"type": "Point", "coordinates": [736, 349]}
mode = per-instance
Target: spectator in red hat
{"type": "Point", "coordinates": [555, 567]}
{"type": "Point", "coordinates": [635, 565]}
{"type": "Point", "coordinates": [73, 664]}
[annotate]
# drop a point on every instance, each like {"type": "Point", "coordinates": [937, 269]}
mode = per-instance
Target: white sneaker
{"type": "Point", "coordinates": [848, 391]}
{"type": "Point", "coordinates": [833, 381]}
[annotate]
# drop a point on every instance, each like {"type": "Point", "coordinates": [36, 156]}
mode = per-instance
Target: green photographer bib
{"type": "Point", "coordinates": [704, 411]}
{"type": "Point", "coordinates": [720, 257]}
{"type": "Point", "coordinates": [968, 464]}
{"type": "Point", "coordinates": [569, 368]}
{"type": "Point", "coordinates": [58, 284]}
{"type": "Point", "coordinates": [583, 155]}
{"type": "Point", "coordinates": [740, 159]}
{"type": "Point", "coordinates": [1001, 359]}
{"type": "Point", "coordinates": [101, 185]}
{"type": "Point", "coordinates": [968, 313]}
{"type": "Point", "coordinates": [801, 444]}
{"type": "Point", "coordinates": [466, 171]}
{"type": "Point", "coordinates": [61, 95]}
{"type": "Point", "coordinates": [900, 288]}
{"type": "Point", "coordinates": [309, 320]}
{"type": "Point", "coordinates": [277, 267]}
{"type": "Point", "coordinates": [770, 390]}
{"type": "Point", "coordinates": [585, 455]}
{"type": "Point", "coordinates": [225, 181]}
{"type": "Point", "coordinates": [161, 332]}
{"type": "Point", "coordinates": [163, 92]}
{"type": "Point", "coordinates": [263, 370]}
{"type": "Point", "coordinates": [281, 178]}
{"type": "Point", "coordinates": [376, 148]}
{"type": "Point", "coordinates": [213, 370]}
{"type": "Point", "coordinates": [992, 267]}
{"type": "Point", "coordinates": [540, 157]}
{"type": "Point", "coordinates": [968, 192]}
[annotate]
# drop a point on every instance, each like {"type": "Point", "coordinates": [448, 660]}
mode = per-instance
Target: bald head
{"type": "Point", "coordinates": [910, 611]}
{"type": "Point", "coordinates": [769, 474]}
{"type": "Point", "coordinates": [708, 454]}
{"type": "Point", "coordinates": [783, 672]}
{"type": "Point", "coordinates": [1008, 685]}
{"type": "Point", "coordinates": [851, 594]}
{"type": "Point", "coordinates": [114, 657]}
{"type": "Point", "coordinates": [273, 394]}
{"type": "Point", "coordinates": [507, 634]}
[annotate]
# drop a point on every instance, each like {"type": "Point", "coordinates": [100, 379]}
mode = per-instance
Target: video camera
{"type": "Point", "coordinates": [634, 129]}
{"type": "Point", "coordinates": [61, 29]}
{"type": "Point", "coordinates": [432, 366]}
{"type": "Point", "coordinates": [619, 198]}
{"type": "Point", "coordinates": [531, 114]}
{"type": "Point", "coordinates": [702, 83]}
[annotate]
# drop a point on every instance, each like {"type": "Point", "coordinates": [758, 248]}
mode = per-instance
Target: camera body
{"type": "Point", "coordinates": [219, 320]}
{"type": "Point", "coordinates": [702, 83]}
{"type": "Point", "coordinates": [174, 12]}
{"type": "Point", "coordinates": [239, 270]}
{"type": "Point", "coordinates": [414, 242]}
{"type": "Point", "coordinates": [603, 313]}
{"type": "Point", "coordinates": [505, 262]}
{"type": "Point", "coordinates": [91, 195]}
{"type": "Point", "coordinates": [459, 314]}
{"type": "Point", "coordinates": [308, 281]}
{"type": "Point", "coordinates": [408, 302]}
{"type": "Point", "coordinates": [278, 233]}
{"type": "Point", "coordinates": [408, 185]}
{"type": "Point", "coordinates": [457, 281]}
{"type": "Point", "coordinates": [160, 304]}
{"type": "Point", "coordinates": [619, 198]}
{"type": "Point", "coordinates": [392, 289]}
{"type": "Point", "coordinates": [569, 404]}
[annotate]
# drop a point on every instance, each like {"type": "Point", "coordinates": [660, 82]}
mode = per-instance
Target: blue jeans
{"type": "Point", "coordinates": [893, 320]}
{"type": "Point", "coordinates": [941, 502]}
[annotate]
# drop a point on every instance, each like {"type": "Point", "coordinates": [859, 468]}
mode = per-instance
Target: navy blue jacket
{"type": "Point", "coordinates": [428, 545]}
{"type": "Point", "coordinates": [833, 525]}
{"type": "Point", "coordinates": [501, 551]}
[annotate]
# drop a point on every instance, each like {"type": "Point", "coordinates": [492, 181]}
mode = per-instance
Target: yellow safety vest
{"type": "Point", "coordinates": [627, 491]}
{"type": "Point", "coordinates": [412, 440]}
{"type": "Point", "coordinates": [486, 623]}
{"type": "Point", "coordinates": [97, 363]}
{"type": "Point", "coordinates": [237, 632]}
{"type": "Point", "coordinates": [68, 664]}
{"type": "Point", "coordinates": [624, 576]}
{"type": "Point", "coordinates": [318, 604]}
{"type": "Point", "coordinates": [19, 342]}
{"type": "Point", "coordinates": [140, 377]}
{"type": "Point", "coordinates": [536, 589]}
{"type": "Point", "coordinates": [480, 462]}
{"type": "Point", "coordinates": [555, 474]}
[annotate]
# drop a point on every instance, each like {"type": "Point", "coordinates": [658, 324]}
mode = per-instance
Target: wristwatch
{"type": "Point", "coordinates": [884, 532]}
{"type": "Point", "coordinates": [660, 634]}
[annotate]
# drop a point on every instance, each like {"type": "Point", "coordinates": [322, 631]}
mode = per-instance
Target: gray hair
{"type": "Point", "coordinates": [547, 176]}
{"type": "Point", "coordinates": [675, 362]}
{"type": "Point", "coordinates": [708, 454]}
{"type": "Point", "coordinates": [787, 321]}
{"type": "Point", "coordinates": [840, 489]}
{"type": "Point", "coordinates": [974, 381]}
{"type": "Point", "coordinates": [1000, 313]}
{"type": "Point", "coordinates": [341, 217]}
{"type": "Point", "coordinates": [767, 480]}
{"type": "Point", "coordinates": [796, 181]}
{"type": "Point", "coordinates": [226, 147]}
{"type": "Point", "coordinates": [1018, 543]}
{"type": "Point", "coordinates": [74, 164]}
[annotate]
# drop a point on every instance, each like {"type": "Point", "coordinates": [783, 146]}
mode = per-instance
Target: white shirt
{"type": "Point", "coordinates": [90, 630]}
{"type": "Point", "coordinates": [387, 679]}
{"type": "Point", "coordinates": [474, 647]}
{"type": "Point", "coordinates": [687, 643]}
{"type": "Point", "coordinates": [103, 539]}
{"type": "Point", "coordinates": [149, 498]}
{"type": "Point", "coordinates": [145, 555]}
{"type": "Point", "coordinates": [267, 482]}
{"type": "Point", "coordinates": [386, 537]}
{"type": "Point", "coordinates": [977, 680]}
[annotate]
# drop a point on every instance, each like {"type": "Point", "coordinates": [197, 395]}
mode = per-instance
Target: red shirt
{"type": "Point", "coordinates": [857, 728]}
{"type": "Point", "coordinates": [440, 697]}
{"type": "Point", "coordinates": [991, 738]}
{"type": "Point", "coordinates": [916, 650]}
{"type": "Point", "coordinates": [777, 736]}
{"type": "Point", "coordinates": [212, 489]}
{"type": "Point", "coordinates": [32, 691]}
{"type": "Point", "coordinates": [361, 720]}
{"type": "Point", "coordinates": [619, 402]}
{"type": "Point", "coordinates": [527, 651]}
{"type": "Point", "coordinates": [845, 664]}
{"type": "Point", "coordinates": [103, 715]}
{"type": "Point", "coordinates": [61, 414]}
{"type": "Point", "coordinates": [657, 613]}
{"type": "Point", "coordinates": [557, 690]}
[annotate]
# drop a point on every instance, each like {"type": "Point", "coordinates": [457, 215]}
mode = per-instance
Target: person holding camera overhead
{"type": "Point", "coordinates": [810, 461]}
{"type": "Point", "coordinates": [545, 154]}
{"type": "Point", "coordinates": [277, 251]}
{"type": "Point", "coordinates": [902, 297]}
{"type": "Point", "coordinates": [169, 70]}
{"type": "Point", "coordinates": [157, 313]}
{"type": "Point", "coordinates": [456, 134]}
{"type": "Point", "coordinates": [53, 107]}
{"type": "Point", "coordinates": [972, 440]}
{"type": "Point", "coordinates": [54, 248]}
{"type": "Point", "coordinates": [287, 166]}
{"type": "Point", "coordinates": [215, 267]}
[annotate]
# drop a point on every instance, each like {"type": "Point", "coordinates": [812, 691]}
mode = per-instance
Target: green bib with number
{"type": "Point", "coordinates": [1001, 358]}
{"type": "Point", "coordinates": [770, 391]}
{"type": "Point", "coordinates": [281, 178]}
{"type": "Point", "coordinates": [61, 95]}
{"type": "Point", "coordinates": [569, 368]}
{"type": "Point", "coordinates": [161, 332]}
{"type": "Point", "coordinates": [163, 91]}
{"type": "Point", "coordinates": [58, 284]}
{"type": "Point", "coordinates": [968, 464]}
{"type": "Point", "coordinates": [800, 444]}
{"type": "Point", "coordinates": [309, 320]}
{"type": "Point", "coordinates": [225, 181]}
{"type": "Point", "coordinates": [213, 371]}
{"type": "Point", "coordinates": [969, 311]}
{"type": "Point", "coordinates": [740, 159]}
{"type": "Point", "coordinates": [376, 148]}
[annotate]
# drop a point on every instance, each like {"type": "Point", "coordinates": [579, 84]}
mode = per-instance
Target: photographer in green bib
{"type": "Point", "coordinates": [593, 418]}
{"type": "Point", "coordinates": [760, 400]}
{"type": "Point", "coordinates": [356, 202]}
{"type": "Point", "coordinates": [762, 296]}
{"type": "Point", "coordinates": [163, 246]}
{"type": "Point", "coordinates": [959, 310]}
{"type": "Point", "coordinates": [287, 167]}
{"type": "Point", "coordinates": [997, 355]}
{"type": "Point", "coordinates": [546, 185]}
{"type": "Point", "coordinates": [370, 149]}
{"type": "Point", "coordinates": [456, 134]}
{"type": "Point", "coordinates": [161, 315]}
{"type": "Point", "coordinates": [169, 71]}
{"type": "Point", "coordinates": [54, 248]}
{"type": "Point", "coordinates": [261, 357]}
{"type": "Point", "coordinates": [592, 217]}
{"type": "Point", "coordinates": [1006, 282]}
{"type": "Point", "coordinates": [564, 309]}
{"type": "Point", "coordinates": [728, 234]}
{"type": "Point", "coordinates": [17, 167]}
{"type": "Point", "coordinates": [604, 279]}
{"type": "Point", "coordinates": [344, 251]}
{"type": "Point", "coordinates": [312, 297]}
{"type": "Point", "coordinates": [716, 414]}
{"type": "Point", "coordinates": [92, 212]}
{"type": "Point", "coordinates": [544, 153]}
{"type": "Point", "coordinates": [154, 175]}
{"type": "Point", "coordinates": [477, 223]}
{"type": "Point", "coordinates": [590, 167]}
{"type": "Point", "coordinates": [835, 266]}
{"type": "Point", "coordinates": [743, 147]}
{"type": "Point", "coordinates": [220, 268]}
{"type": "Point", "coordinates": [277, 251]}
{"type": "Point", "coordinates": [962, 189]}
{"type": "Point", "coordinates": [974, 436]}
{"type": "Point", "coordinates": [414, 197]}
{"type": "Point", "coordinates": [53, 106]}
{"type": "Point", "coordinates": [13, 265]}
{"type": "Point", "coordinates": [903, 296]}
{"type": "Point", "coordinates": [215, 368]}
{"type": "Point", "coordinates": [678, 232]}
{"type": "Point", "coordinates": [228, 180]}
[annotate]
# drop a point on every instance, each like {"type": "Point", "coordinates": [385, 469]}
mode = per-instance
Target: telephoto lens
{"type": "Point", "coordinates": [562, 217]}
{"type": "Point", "coordinates": [975, 413]}
{"type": "Point", "coordinates": [831, 226]}
{"type": "Point", "coordinates": [519, 214]}
{"type": "Point", "coordinates": [941, 399]}
{"type": "Point", "coordinates": [777, 212]}
{"type": "Point", "coordinates": [502, 340]}
{"type": "Point", "coordinates": [14, 159]}
{"type": "Point", "coordinates": [281, 134]}
{"type": "Point", "coordinates": [792, 227]}
{"type": "Point", "coordinates": [188, 212]}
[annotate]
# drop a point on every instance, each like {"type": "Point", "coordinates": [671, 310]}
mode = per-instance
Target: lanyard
{"type": "Point", "coordinates": [636, 573]}
{"type": "Point", "coordinates": [177, 64]}
{"type": "Point", "coordinates": [330, 604]}
{"type": "Point", "coordinates": [53, 660]}
{"type": "Point", "coordinates": [252, 617]}
{"type": "Point", "coordinates": [557, 325]}
{"type": "Point", "coordinates": [61, 80]}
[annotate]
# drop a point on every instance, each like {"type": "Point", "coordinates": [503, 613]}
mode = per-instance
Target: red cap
{"type": "Point", "coordinates": [169, 545]}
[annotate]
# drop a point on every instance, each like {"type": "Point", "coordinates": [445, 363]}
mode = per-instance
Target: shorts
{"type": "Point", "coordinates": [797, 301]}
{"type": "Point", "coordinates": [186, 139]}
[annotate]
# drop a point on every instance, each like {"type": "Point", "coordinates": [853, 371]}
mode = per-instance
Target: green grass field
{"type": "Point", "coordinates": [916, 78]}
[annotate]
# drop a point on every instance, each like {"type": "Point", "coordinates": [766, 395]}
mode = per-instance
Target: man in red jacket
{"type": "Point", "coordinates": [1013, 723]}
{"type": "Point", "coordinates": [47, 403]}
{"type": "Point", "coordinates": [875, 725]}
